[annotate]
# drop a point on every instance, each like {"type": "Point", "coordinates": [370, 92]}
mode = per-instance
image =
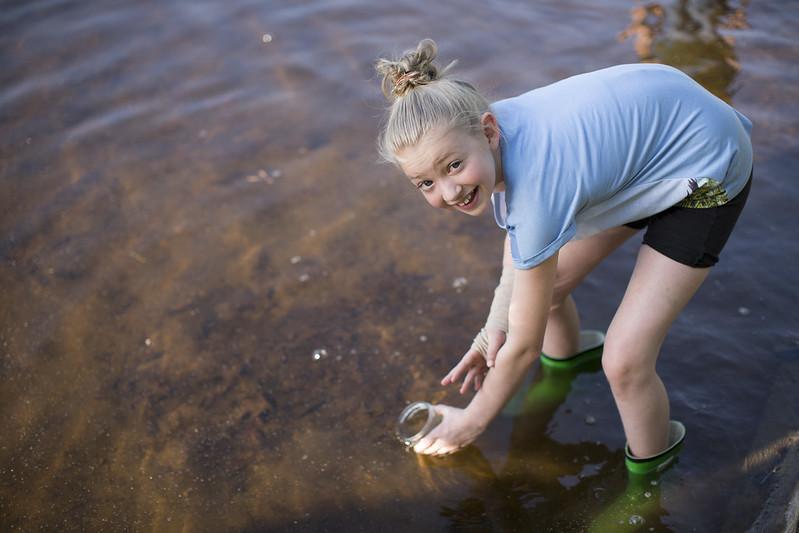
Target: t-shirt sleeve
{"type": "Point", "coordinates": [537, 239]}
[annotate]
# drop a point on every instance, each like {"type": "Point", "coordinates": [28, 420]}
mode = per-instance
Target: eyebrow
{"type": "Point", "coordinates": [438, 161]}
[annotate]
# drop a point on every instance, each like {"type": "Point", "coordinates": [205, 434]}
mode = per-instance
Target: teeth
{"type": "Point", "coordinates": [468, 199]}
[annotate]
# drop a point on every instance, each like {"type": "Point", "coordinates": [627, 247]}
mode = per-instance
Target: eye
{"type": "Point", "coordinates": [424, 185]}
{"type": "Point", "coordinates": [455, 165]}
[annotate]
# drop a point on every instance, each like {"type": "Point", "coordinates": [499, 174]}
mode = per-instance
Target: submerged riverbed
{"type": "Point", "coordinates": [215, 302]}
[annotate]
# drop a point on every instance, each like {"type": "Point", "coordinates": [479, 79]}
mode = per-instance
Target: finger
{"type": "Point", "coordinates": [441, 409]}
{"type": "Point", "coordinates": [447, 450]}
{"type": "Point", "coordinates": [437, 448]}
{"type": "Point", "coordinates": [491, 354]}
{"type": "Point", "coordinates": [423, 445]}
{"type": "Point", "coordinates": [459, 369]}
{"type": "Point", "coordinates": [429, 449]}
{"type": "Point", "coordinates": [495, 341]}
{"type": "Point", "coordinates": [469, 378]}
{"type": "Point", "coordinates": [478, 381]}
{"type": "Point", "coordinates": [454, 374]}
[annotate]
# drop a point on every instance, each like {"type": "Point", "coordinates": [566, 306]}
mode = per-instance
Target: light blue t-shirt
{"type": "Point", "coordinates": [602, 149]}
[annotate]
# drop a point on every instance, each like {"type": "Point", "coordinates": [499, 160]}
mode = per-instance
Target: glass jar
{"type": "Point", "coordinates": [417, 420]}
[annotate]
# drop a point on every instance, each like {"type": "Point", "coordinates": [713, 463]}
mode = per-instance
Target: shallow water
{"type": "Point", "coordinates": [215, 302]}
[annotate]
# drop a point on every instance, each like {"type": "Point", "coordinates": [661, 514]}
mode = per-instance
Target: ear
{"type": "Point", "coordinates": [490, 126]}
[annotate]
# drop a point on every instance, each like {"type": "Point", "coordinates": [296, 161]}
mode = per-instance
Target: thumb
{"type": "Point", "coordinates": [496, 338]}
{"type": "Point", "coordinates": [443, 409]}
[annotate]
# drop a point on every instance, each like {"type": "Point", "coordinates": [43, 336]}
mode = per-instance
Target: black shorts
{"type": "Point", "coordinates": [693, 236]}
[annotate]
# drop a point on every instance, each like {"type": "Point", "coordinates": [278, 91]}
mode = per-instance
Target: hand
{"type": "Point", "coordinates": [456, 430]}
{"type": "Point", "coordinates": [473, 366]}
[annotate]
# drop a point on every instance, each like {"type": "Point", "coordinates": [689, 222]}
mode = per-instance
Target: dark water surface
{"type": "Point", "coordinates": [215, 302]}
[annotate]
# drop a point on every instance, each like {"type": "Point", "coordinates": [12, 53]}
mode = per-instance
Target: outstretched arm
{"type": "Point", "coordinates": [527, 319]}
{"type": "Point", "coordinates": [481, 355]}
{"type": "Point", "coordinates": [493, 335]}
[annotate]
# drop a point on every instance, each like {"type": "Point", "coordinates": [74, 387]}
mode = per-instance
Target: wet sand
{"type": "Point", "coordinates": [214, 302]}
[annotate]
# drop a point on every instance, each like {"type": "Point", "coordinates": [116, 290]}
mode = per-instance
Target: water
{"type": "Point", "coordinates": [188, 209]}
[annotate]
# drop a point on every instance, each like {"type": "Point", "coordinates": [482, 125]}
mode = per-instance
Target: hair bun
{"type": "Point", "coordinates": [413, 69]}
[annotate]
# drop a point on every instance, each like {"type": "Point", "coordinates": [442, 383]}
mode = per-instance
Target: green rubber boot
{"type": "Point", "coordinates": [639, 504]}
{"type": "Point", "coordinates": [591, 343]}
{"type": "Point", "coordinates": [543, 393]}
{"type": "Point", "coordinates": [635, 509]}
{"type": "Point", "coordinates": [661, 461]}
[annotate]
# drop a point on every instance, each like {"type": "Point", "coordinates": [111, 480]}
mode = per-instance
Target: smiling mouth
{"type": "Point", "coordinates": [469, 199]}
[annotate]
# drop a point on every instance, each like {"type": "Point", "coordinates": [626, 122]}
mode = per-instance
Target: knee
{"type": "Point", "coordinates": [625, 367]}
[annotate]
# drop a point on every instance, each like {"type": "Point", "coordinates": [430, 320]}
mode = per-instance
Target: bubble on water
{"type": "Point", "coordinates": [148, 342]}
{"type": "Point", "coordinates": [275, 172]}
{"type": "Point", "coordinates": [319, 353]}
{"type": "Point", "coordinates": [459, 283]}
{"type": "Point", "coordinates": [266, 38]}
{"type": "Point", "coordinates": [743, 311]}
{"type": "Point", "coordinates": [296, 259]}
{"type": "Point", "coordinates": [654, 483]}
{"type": "Point", "coordinates": [647, 494]}
{"type": "Point", "coordinates": [423, 338]}
{"type": "Point", "coordinates": [635, 520]}
{"type": "Point", "coordinates": [590, 420]}
{"type": "Point", "coordinates": [304, 277]}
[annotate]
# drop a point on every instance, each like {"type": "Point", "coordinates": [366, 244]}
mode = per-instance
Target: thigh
{"type": "Point", "coordinates": [577, 258]}
{"type": "Point", "coordinates": [659, 289]}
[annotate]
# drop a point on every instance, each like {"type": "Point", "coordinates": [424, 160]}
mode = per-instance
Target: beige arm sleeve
{"type": "Point", "coordinates": [498, 314]}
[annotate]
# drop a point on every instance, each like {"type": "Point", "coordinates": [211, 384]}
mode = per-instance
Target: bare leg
{"type": "Point", "coordinates": [561, 337]}
{"type": "Point", "coordinates": [658, 290]}
{"type": "Point", "coordinates": [575, 260]}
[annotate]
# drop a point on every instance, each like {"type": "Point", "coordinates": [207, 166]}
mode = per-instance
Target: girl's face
{"type": "Point", "coordinates": [455, 169]}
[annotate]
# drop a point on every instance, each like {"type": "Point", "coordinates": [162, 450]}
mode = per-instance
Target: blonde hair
{"type": "Point", "coordinates": [422, 99]}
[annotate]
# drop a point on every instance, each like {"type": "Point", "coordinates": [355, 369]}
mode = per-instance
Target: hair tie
{"type": "Point", "coordinates": [402, 81]}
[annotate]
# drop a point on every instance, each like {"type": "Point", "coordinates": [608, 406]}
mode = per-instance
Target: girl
{"type": "Point", "coordinates": [571, 171]}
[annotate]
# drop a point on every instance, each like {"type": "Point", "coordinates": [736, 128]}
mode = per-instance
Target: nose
{"type": "Point", "coordinates": [451, 192]}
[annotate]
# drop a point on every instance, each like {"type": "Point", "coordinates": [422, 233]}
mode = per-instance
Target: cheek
{"type": "Point", "coordinates": [488, 169]}
{"type": "Point", "coordinates": [435, 200]}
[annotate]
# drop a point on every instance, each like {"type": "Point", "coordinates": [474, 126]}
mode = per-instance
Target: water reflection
{"type": "Point", "coordinates": [688, 35]}
{"type": "Point", "coordinates": [560, 486]}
